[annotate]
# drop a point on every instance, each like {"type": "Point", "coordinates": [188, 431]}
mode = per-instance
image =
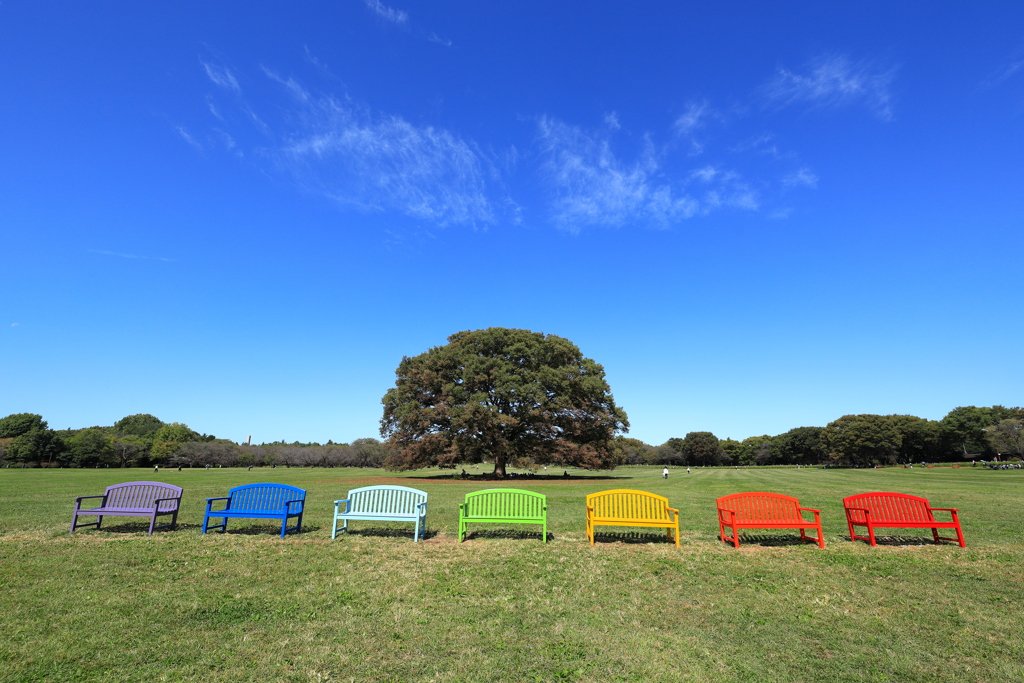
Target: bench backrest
{"type": "Point", "coordinates": [386, 500]}
{"type": "Point", "coordinates": [761, 506]}
{"type": "Point", "coordinates": [506, 504]}
{"type": "Point", "coordinates": [141, 494]}
{"type": "Point", "coordinates": [628, 504]}
{"type": "Point", "coordinates": [889, 506]}
{"type": "Point", "coordinates": [265, 497]}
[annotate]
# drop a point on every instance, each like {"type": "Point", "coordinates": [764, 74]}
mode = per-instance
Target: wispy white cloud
{"type": "Point", "coordinates": [434, 38]}
{"type": "Point", "coordinates": [833, 82]}
{"type": "Point", "coordinates": [222, 76]}
{"type": "Point", "coordinates": [591, 186]}
{"type": "Point", "coordinates": [15, 324]}
{"type": "Point", "coordinates": [188, 138]}
{"type": "Point", "coordinates": [1008, 70]}
{"type": "Point", "coordinates": [611, 119]}
{"type": "Point", "coordinates": [130, 256]}
{"type": "Point", "coordinates": [802, 177]}
{"type": "Point", "coordinates": [692, 118]}
{"type": "Point", "coordinates": [395, 16]}
{"type": "Point", "coordinates": [386, 163]}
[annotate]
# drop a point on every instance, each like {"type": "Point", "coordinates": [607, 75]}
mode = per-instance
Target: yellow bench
{"type": "Point", "coordinates": [626, 507]}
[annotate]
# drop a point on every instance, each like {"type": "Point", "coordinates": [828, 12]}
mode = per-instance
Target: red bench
{"type": "Point", "coordinates": [761, 510]}
{"type": "Point", "coordinates": [886, 509]}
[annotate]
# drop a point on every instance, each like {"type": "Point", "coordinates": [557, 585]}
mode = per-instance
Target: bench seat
{"type": "Point", "coordinates": [763, 510]}
{"type": "Point", "coordinates": [132, 499]}
{"type": "Point", "coordinates": [628, 507]}
{"type": "Point", "coordinates": [885, 509]}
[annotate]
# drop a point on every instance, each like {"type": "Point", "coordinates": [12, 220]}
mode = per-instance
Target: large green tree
{"type": "Point", "coordinates": [862, 440]}
{"type": "Point", "coordinates": [701, 449]}
{"type": "Point", "coordinates": [799, 446]}
{"type": "Point", "coordinates": [142, 424]}
{"type": "Point", "coordinates": [512, 397]}
{"type": "Point", "coordinates": [1007, 437]}
{"type": "Point", "coordinates": [20, 423]}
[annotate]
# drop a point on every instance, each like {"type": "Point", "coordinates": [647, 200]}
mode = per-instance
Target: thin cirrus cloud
{"type": "Point", "coordinates": [834, 81]}
{"type": "Point", "coordinates": [131, 256]}
{"type": "Point", "coordinates": [375, 162]}
{"type": "Point", "coordinates": [395, 16]}
{"type": "Point", "coordinates": [590, 186]}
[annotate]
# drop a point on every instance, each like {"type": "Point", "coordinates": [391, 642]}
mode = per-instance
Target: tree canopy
{"type": "Point", "coordinates": [20, 423]}
{"type": "Point", "coordinates": [142, 424]}
{"type": "Point", "coordinates": [513, 397]}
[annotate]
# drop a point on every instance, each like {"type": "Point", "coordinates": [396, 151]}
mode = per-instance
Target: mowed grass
{"type": "Point", "coordinates": [118, 605]}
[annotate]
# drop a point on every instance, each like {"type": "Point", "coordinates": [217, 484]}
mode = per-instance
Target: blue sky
{"type": "Point", "coordinates": [241, 215]}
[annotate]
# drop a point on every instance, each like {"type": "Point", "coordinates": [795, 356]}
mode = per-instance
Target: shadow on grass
{"type": "Point", "coordinates": [773, 540]}
{"type": "Point", "coordinates": [508, 533]}
{"type": "Point", "coordinates": [262, 529]}
{"type": "Point", "coordinates": [138, 528]}
{"type": "Point", "coordinates": [517, 480]}
{"type": "Point", "coordinates": [898, 540]}
{"type": "Point", "coordinates": [383, 532]}
{"type": "Point", "coordinates": [631, 537]}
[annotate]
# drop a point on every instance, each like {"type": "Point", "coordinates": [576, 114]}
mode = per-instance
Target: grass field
{"type": "Point", "coordinates": [118, 605]}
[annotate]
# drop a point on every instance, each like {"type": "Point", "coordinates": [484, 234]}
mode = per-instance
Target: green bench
{"type": "Point", "coordinates": [504, 506]}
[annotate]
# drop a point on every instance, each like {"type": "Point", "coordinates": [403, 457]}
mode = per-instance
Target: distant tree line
{"type": "Point", "coordinates": [145, 440]}
{"type": "Point", "coordinates": [965, 433]}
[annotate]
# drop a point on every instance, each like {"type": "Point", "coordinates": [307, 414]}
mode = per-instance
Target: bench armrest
{"type": "Point", "coordinates": [209, 503]}
{"type": "Point", "coordinates": [944, 509]}
{"type": "Point", "coordinates": [157, 501]}
{"type": "Point", "coordinates": [674, 510]}
{"type": "Point", "coordinates": [337, 505]}
{"type": "Point", "coordinates": [422, 505]}
{"type": "Point", "coordinates": [721, 518]}
{"type": "Point", "coordinates": [79, 499]}
{"type": "Point", "coordinates": [817, 513]}
{"type": "Point", "coordinates": [288, 503]}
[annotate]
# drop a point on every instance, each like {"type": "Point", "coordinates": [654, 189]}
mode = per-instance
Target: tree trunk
{"type": "Point", "coordinates": [499, 467]}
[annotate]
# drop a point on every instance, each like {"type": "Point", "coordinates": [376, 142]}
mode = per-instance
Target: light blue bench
{"type": "Point", "coordinates": [260, 501]}
{"type": "Point", "coordinates": [383, 504]}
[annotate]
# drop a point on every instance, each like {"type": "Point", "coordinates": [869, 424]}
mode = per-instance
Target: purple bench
{"type": "Point", "coordinates": [132, 499]}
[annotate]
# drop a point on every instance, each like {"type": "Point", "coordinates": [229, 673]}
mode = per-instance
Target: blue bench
{"type": "Point", "coordinates": [259, 501]}
{"type": "Point", "coordinates": [383, 504]}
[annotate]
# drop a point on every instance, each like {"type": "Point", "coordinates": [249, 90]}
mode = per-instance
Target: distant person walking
{"type": "Point", "coordinates": [687, 470]}
{"type": "Point", "coordinates": [156, 468]}
{"type": "Point", "coordinates": [664, 473]}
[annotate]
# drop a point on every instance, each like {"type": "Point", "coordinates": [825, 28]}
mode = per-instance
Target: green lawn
{"type": "Point", "coordinates": [117, 605]}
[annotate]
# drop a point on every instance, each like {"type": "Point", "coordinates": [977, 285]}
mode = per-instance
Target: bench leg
{"type": "Point", "coordinates": [871, 535]}
{"type": "Point", "coordinates": [545, 532]}
{"type": "Point", "coordinates": [152, 523]}
{"type": "Point", "coordinates": [416, 531]}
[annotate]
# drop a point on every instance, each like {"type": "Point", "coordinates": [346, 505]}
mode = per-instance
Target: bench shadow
{"type": "Point", "coordinates": [631, 537]}
{"type": "Point", "coordinates": [898, 540]}
{"type": "Point", "coordinates": [384, 532]}
{"type": "Point", "coordinates": [138, 527]}
{"type": "Point", "coordinates": [262, 530]}
{"type": "Point", "coordinates": [516, 480]}
{"type": "Point", "coordinates": [508, 533]}
{"type": "Point", "coordinates": [773, 540]}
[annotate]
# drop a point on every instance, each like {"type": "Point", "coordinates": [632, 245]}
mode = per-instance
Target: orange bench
{"type": "Point", "coordinates": [761, 510]}
{"type": "Point", "coordinates": [886, 509]}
